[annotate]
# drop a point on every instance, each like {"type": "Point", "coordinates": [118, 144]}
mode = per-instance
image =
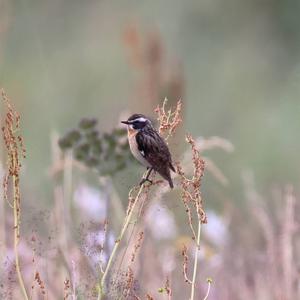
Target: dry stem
{"type": "Point", "coordinates": [169, 120]}
{"type": "Point", "coordinates": [196, 261]}
{"type": "Point", "coordinates": [191, 197]}
{"type": "Point", "coordinates": [209, 282]}
{"type": "Point", "coordinates": [131, 206]}
{"type": "Point", "coordinates": [185, 264]}
{"type": "Point", "coordinates": [15, 149]}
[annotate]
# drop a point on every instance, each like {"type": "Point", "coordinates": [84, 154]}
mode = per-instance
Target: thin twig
{"type": "Point", "coordinates": [209, 282]}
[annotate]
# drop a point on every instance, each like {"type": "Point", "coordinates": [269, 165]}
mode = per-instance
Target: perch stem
{"type": "Point", "coordinates": [117, 243]}
{"type": "Point", "coordinates": [16, 239]}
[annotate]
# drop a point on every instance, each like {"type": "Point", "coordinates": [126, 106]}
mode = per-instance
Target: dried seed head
{"type": "Point", "coordinates": [168, 121]}
{"type": "Point", "coordinates": [14, 145]}
{"type": "Point", "coordinates": [191, 193]}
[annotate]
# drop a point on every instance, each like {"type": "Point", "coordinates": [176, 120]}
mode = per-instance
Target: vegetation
{"type": "Point", "coordinates": [75, 224]}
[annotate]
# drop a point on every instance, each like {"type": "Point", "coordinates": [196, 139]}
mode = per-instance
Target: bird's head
{"type": "Point", "coordinates": [137, 122]}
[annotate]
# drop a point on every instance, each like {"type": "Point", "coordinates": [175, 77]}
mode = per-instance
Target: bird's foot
{"type": "Point", "coordinates": [145, 180]}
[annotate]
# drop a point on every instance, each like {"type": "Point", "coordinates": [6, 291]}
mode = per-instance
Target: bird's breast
{"type": "Point", "coordinates": [134, 148]}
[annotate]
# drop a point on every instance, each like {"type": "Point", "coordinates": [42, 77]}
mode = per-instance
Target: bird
{"type": "Point", "coordinates": [149, 148]}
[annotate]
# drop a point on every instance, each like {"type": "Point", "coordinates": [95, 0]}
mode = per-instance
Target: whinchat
{"type": "Point", "coordinates": [148, 147]}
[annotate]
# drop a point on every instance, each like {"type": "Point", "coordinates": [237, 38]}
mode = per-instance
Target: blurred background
{"type": "Point", "coordinates": [236, 67]}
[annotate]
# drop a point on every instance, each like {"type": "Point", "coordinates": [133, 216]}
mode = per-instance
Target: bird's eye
{"type": "Point", "coordinates": [138, 125]}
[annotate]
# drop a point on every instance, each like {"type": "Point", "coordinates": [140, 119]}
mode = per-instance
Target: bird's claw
{"type": "Point", "coordinates": [145, 180]}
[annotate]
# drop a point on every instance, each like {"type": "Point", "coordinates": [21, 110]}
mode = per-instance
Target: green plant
{"type": "Point", "coordinates": [107, 153]}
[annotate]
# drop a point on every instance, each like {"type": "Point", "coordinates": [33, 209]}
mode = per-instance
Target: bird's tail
{"type": "Point", "coordinates": [165, 173]}
{"type": "Point", "coordinates": [170, 182]}
{"type": "Point", "coordinates": [172, 167]}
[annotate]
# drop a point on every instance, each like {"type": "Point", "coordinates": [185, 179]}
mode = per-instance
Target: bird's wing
{"type": "Point", "coordinates": [154, 150]}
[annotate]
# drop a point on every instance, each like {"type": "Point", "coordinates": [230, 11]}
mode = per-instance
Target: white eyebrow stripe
{"type": "Point", "coordinates": [140, 119]}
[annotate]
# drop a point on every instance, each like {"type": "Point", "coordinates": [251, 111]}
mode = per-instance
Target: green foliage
{"type": "Point", "coordinates": [108, 153]}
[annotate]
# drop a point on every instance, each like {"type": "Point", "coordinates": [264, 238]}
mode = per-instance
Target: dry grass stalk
{"type": "Point", "coordinates": [267, 228]}
{"type": "Point", "coordinates": [74, 280]}
{"type": "Point", "coordinates": [129, 287]}
{"type": "Point", "coordinates": [191, 197]}
{"type": "Point", "coordinates": [204, 144]}
{"type": "Point", "coordinates": [132, 232]}
{"type": "Point", "coordinates": [215, 171]}
{"type": "Point", "coordinates": [127, 220]}
{"type": "Point", "coordinates": [137, 246]}
{"type": "Point", "coordinates": [40, 284]}
{"type": "Point", "coordinates": [288, 230]}
{"type": "Point", "coordinates": [105, 224]}
{"type": "Point", "coordinates": [168, 289]}
{"type": "Point", "coordinates": [15, 150]}
{"type": "Point", "coordinates": [214, 142]}
{"type": "Point", "coordinates": [191, 194]}
{"type": "Point", "coordinates": [169, 120]}
{"type": "Point", "coordinates": [67, 286]}
{"type": "Point", "coordinates": [209, 282]}
{"type": "Point", "coordinates": [148, 54]}
{"type": "Point", "coordinates": [185, 264]}
{"type": "Point", "coordinates": [279, 229]}
{"type": "Point", "coordinates": [129, 282]}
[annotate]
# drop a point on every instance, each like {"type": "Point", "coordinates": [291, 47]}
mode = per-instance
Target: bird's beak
{"type": "Point", "coordinates": [125, 122]}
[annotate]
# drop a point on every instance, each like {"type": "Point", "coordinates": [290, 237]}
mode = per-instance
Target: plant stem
{"type": "Point", "coordinates": [101, 292]}
{"type": "Point", "coordinates": [196, 261]}
{"type": "Point", "coordinates": [16, 239]}
{"type": "Point", "coordinates": [209, 281]}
